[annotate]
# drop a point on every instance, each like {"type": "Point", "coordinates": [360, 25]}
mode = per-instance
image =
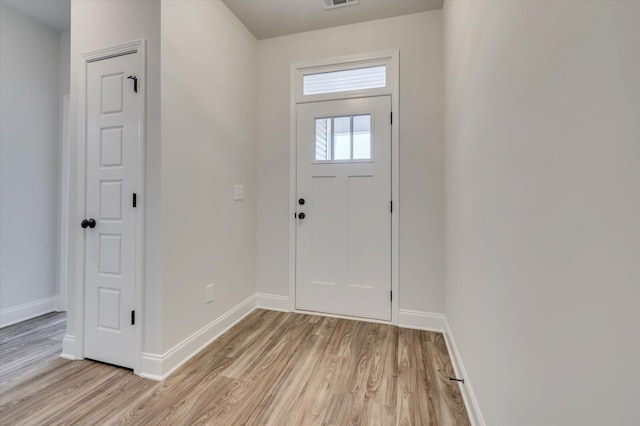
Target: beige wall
{"type": "Point", "coordinates": [208, 145]}
{"type": "Point", "coordinates": [64, 64]}
{"type": "Point", "coordinates": [419, 38]}
{"type": "Point", "coordinates": [29, 148]}
{"type": "Point", "coordinates": [543, 212]}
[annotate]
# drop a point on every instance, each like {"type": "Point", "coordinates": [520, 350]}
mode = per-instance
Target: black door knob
{"type": "Point", "coordinates": [301, 216]}
{"type": "Point", "coordinates": [91, 223]}
{"type": "Point", "coordinates": [301, 201]}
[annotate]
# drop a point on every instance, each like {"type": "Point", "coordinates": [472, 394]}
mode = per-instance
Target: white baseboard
{"type": "Point", "coordinates": [27, 311]}
{"type": "Point", "coordinates": [272, 302]}
{"type": "Point", "coordinates": [470, 401]}
{"type": "Point", "coordinates": [151, 367]}
{"type": "Point", "coordinates": [159, 367]}
{"type": "Point", "coordinates": [421, 320]}
{"type": "Point", "coordinates": [70, 348]}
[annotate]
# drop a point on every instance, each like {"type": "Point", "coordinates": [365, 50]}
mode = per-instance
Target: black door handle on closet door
{"type": "Point", "coordinates": [301, 216]}
{"type": "Point", "coordinates": [91, 223]}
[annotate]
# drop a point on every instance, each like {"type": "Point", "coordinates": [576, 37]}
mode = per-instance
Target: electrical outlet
{"type": "Point", "coordinates": [238, 192]}
{"type": "Point", "coordinates": [209, 293]}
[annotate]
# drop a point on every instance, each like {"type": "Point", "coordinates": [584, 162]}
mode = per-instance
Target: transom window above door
{"type": "Point", "coordinates": [345, 77]}
{"type": "Point", "coordinates": [343, 138]}
{"type": "Point", "coordinates": [345, 80]}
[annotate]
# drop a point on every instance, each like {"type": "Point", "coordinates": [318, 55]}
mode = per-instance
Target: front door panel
{"type": "Point", "coordinates": [343, 239]}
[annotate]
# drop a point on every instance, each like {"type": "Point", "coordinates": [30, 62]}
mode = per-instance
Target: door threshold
{"type": "Point", "coordinates": [347, 317]}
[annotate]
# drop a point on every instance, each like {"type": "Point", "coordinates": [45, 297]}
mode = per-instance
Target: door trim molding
{"type": "Point", "coordinates": [64, 180]}
{"type": "Point", "coordinates": [76, 350]}
{"type": "Point", "coordinates": [392, 59]}
{"type": "Point", "coordinates": [273, 302]}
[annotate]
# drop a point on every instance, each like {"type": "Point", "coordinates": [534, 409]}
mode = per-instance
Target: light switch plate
{"type": "Point", "coordinates": [209, 293]}
{"type": "Point", "coordinates": [238, 192]}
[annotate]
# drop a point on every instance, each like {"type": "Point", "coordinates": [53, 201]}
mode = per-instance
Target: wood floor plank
{"type": "Point", "coordinates": [50, 324]}
{"type": "Point", "coordinates": [283, 395]}
{"type": "Point", "coordinates": [266, 370]}
{"type": "Point", "coordinates": [264, 340]}
{"type": "Point", "coordinates": [428, 392]}
{"type": "Point", "coordinates": [333, 401]}
{"type": "Point", "coordinates": [354, 410]}
{"type": "Point", "coordinates": [26, 346]}
{"type": "Point", "coordinates": [453, 409]}
{"type": "Point", "coordinates": [272, 368]}
{"type": "Point", "coordinates": [325, 325]}
{"type": "Point", "coordinates": [405, 414]}
{"type": "Point", "coordinates": [178, 398]}
{"type": "Point", "coordinates": [38, 380]}
{"type": "Point", "coordinates": [115, 394]}
{"type": "Point", "coordinates": [42, 407]}
{"type": "Point", "coordinates": [245, 333]}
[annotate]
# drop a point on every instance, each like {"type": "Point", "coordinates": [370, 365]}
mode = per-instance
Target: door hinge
{"type": "Point", "coordinates": [391, 295]}
{"type": "Point", "coordinates": [133, 317]}
{"type": "Point", "coordinates": [391, 206]}
{"type": "Point", "coordinates": [135, 200]}
{"type": "Point", "coordinates": [391, 117]}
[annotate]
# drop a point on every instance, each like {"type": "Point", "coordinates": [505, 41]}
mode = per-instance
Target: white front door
{"type": "Point", "coordinates": [343, 239]}
{"type": "Point", "coordinates": [113, 137]}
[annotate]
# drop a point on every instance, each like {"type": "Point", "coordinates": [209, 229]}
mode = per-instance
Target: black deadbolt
{"type": "Point", "coordinates": [301, 216]}
{"type": "Point", "coordinates": [301, 201]}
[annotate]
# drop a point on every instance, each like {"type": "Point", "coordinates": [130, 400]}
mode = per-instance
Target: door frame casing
{"type": "Point", "coordinates": [64, 180]}
{"type": "Point", "coordinates": [138, 47]}
{"type": "Point", "coordinates": [390, 58]}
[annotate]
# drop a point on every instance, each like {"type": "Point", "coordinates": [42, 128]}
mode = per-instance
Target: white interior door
{"type": "Point", "coordinates": [113, 121]}
{"type": "Point", "coordinates": [343, 239]}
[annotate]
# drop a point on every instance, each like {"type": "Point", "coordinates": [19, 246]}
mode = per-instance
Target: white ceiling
{"type": "Point", "coordinates": [273, 18]}
{"type": "Point", "coordinates": [264, 18]}
{"type": "Point", "coordinates": [55, 14]}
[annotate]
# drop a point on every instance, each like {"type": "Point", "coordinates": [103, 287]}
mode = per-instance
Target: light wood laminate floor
{"type": "Point", "coordinates": [272, 368]}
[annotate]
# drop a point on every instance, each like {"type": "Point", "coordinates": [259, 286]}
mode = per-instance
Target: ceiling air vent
{"type": "Point", "coordinates": [333, 4]}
